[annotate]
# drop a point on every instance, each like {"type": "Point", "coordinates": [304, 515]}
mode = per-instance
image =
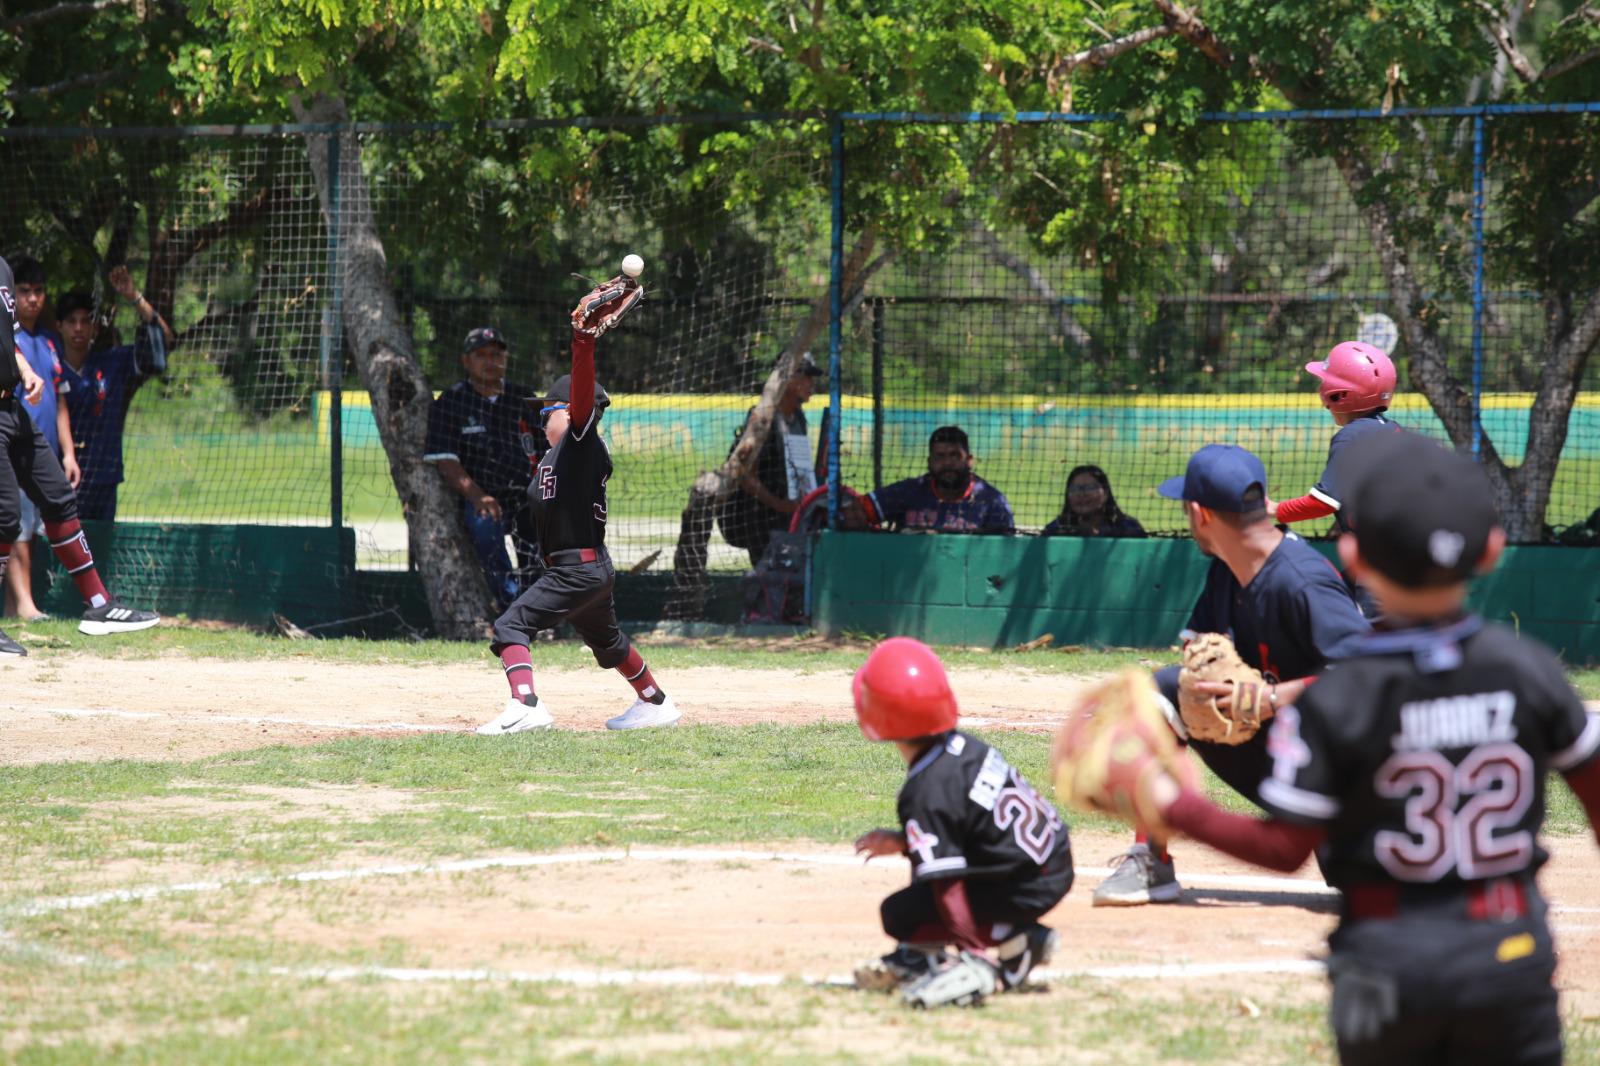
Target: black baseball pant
{"type": "Point", "coordinates": [1439, 991]}
{"type": "Point", "coordinates": [31, 466]}
{"type": "Point", "coordinates": [1242, 766]}
{"type": "Point", "coordinates": [580, 595]}
{"type": "Point", "coordinates": [912, 916]}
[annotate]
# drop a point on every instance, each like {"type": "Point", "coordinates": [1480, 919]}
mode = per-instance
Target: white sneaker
{"type": "Point", "coordinates": [644, 714]}
{"type": "Point", "coordinates": [518, 717]}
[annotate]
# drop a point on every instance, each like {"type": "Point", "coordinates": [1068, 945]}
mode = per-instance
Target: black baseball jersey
{"type": "Point", "coordinates": [1331, 488]}
{"type": "Point", "coordinates": [1294, 617]}
{"type": "Point", "coordinates": [10, 377]}
{"type": "Point", "coordinates": [968, 813]}
{"type": "Point", "coordinates": [568, 493]}
{"type": "Point", "coordinates": [1425, 754]}
{"type": "Point", "coordinates": [496, 440]}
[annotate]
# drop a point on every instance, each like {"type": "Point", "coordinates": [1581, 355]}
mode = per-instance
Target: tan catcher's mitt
{"type": "Point", "coordinates": [1212, 657]}
{"type": "Point", "coordinates": [1115, 753]}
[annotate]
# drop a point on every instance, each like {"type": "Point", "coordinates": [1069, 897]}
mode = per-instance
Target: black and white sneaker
{"type": "Point", "coordinates": [9, 646]}
{"type": "Point", "coordinates": [1027, 951]}
{"type": "Point", "coordinates": [906, 963]}
{"type": "Point", "coordinates": [116, 617]}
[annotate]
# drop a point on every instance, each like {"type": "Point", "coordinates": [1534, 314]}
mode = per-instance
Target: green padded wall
{"type": "Point", "coordinates": [1003, 591]}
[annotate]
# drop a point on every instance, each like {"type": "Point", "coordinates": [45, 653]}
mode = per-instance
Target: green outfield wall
{"type": "Point", "coordinates": [1003, 591]}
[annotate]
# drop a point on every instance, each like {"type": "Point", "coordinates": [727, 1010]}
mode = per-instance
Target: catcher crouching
{"type": "Point", "coordinates": [989, 855]}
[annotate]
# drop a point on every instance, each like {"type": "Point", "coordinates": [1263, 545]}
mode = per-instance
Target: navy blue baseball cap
{"type": "Point", "coordinates": [483, 336]}
{"type": "Point", "coordinates": [1223, 477]}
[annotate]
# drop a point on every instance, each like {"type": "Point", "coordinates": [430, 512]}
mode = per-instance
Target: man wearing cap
{"type": "Point", "coordinates": [784, 472]}
{"type": "Point", "coordinates": [1417, 773]}
{"type": "Point", "coordinates": [949, 499]}
{"type": "Point", "coordinates": [483, 436]}
{"type": "Point", "coordinates": [1285, 607]}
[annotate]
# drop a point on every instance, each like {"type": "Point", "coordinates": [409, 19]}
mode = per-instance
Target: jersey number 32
{"type": "Point", "coordinates": [1457, 816]}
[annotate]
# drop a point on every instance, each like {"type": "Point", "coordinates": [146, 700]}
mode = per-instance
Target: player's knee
{"type": "Point", "coordinates": [897, 921]}
{"type": "Point", "coordinates": [506, 631]}
{"type": "Point", "coordinates": [58, 511]}
{"type": "Point", "coordinates": [612, 655]}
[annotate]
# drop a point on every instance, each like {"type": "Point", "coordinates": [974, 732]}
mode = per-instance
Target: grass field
{"type": "Point", "coordinates": [209, 909]}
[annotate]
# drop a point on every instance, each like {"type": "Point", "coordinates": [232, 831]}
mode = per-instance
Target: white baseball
{"type": "Point", "coordinates": [632, 265]}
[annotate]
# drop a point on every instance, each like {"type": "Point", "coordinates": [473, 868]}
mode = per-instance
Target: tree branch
{"type": "Point", "coordinates": [1187, 25]}
{"type": "Point", "coordinates": [82, 81]}
{"type": "Point", "coordinates": [18, 23]}
{"type": "Point", "coordinates": [1555, 70]}
{"type": "Point", "coordinates": [1503, 38]}
{"type": "Point", "coordinates": [1101, 54]}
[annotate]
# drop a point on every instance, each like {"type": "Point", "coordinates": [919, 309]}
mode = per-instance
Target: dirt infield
{"type": "Point", "coordinates": [812, 919]}
{"type": "Point", "coordinates": [184, 708]}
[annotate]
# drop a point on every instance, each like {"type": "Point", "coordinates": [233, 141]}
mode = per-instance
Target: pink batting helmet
{"type": "Point", "coordinates": [902, 693]}
{"type": "Point", "coordinates": [1355, 377]}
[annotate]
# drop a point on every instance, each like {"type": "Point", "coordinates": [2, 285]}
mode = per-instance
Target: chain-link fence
{"type": "Point", "coordinates": [1060, 311]}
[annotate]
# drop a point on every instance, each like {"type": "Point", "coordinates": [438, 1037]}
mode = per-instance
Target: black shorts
{"type": "Point", "coordinates": [31, 466]}
{"type": "Point", "coordinates": [1469, 993]}
{"type": "Point", "coordinates": [1017, 904]}
{"type": "Point", "coordinates": [580, 595]}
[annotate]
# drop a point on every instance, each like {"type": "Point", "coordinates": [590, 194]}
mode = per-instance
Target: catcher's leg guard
{"type": "Point", "coordinates": [1029, 949]}
{"type": "Point", "coordinates": [961, 983]}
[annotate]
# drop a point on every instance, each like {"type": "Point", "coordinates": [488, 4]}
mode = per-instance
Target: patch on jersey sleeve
{"type": "Point", "coordinates": [1579, 750]}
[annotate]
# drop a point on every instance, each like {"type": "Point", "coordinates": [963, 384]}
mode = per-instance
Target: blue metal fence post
{"type": "Point", "coordinates": [1477, 282]}
{"type": "Point", "coordinates": [333, 343]}
{"type": "Point", "coordinates": [835, 310]}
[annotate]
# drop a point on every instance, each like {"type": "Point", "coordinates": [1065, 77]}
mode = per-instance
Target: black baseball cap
{"type": "Point", "coordinates": [1223, 477]}
{"type": "Point", "coordinates": [1421, 513]}
{"type": "Point", "coordinates": [807, 366]}
{"type": "Point", "coordinates": [483, 335]}
{"type": "Point", "coordinates": [561, 392]}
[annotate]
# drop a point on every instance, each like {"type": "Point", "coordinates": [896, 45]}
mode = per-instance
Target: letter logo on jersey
{"type": "Point", "coordinates": [9, 300]}
{"type": "Point", "coordinates": [919, 843]}
{"type": "Point", "coordinates": [547, 483]}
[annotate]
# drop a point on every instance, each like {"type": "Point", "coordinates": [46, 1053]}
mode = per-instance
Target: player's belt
{"type": "Point", "coordinates": [572, 557]}
{"type": "Point", "coordinates": [1499, 899]}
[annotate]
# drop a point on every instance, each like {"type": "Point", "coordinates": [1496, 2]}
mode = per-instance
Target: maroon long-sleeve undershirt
{"type": "Point", "coordinates": [581, 406]}
{"type": "Point", "coordinates": [1285, 846]}
{"type": "Point", "coordinates": [1266, 842]}
{"type": "Point", "coordinates": [1302, 509]}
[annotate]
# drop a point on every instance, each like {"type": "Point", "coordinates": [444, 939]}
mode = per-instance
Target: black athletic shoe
{"type": "Point", "coordinates": [904, 964]}
{"type": "Point", "coordinates": [116, 617]}
{"type": "Point", "coordinates": [1026, 951]}
{"type": "Point", "coordinates": [9, 646]}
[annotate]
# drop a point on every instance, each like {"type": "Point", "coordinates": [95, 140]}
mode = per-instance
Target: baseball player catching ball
{"type": "Point", "coordinates": [1285, 609]}
{"type": "Point", "coordinates": [989, 855]}
{"type": "Point", "coordinates": [1417, 772]}
{"type": "Point", "coordinates": [568, 497]}
{"type": "Point", "coordinates": [1357, 386]}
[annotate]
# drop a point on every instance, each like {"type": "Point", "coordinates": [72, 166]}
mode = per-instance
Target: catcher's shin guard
{"type": "Point", "coordinates": [963, 982]}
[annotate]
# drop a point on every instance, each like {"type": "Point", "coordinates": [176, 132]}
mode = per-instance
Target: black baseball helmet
{"type": "Point", "coordinates": [561, 392]}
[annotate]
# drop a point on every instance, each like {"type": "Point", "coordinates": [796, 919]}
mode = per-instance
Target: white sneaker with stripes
{"type": "Point", "coordinates": [116, 617]}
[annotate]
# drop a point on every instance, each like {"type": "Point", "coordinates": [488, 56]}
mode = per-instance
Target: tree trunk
{"type": "Point", "coordinates": [1522, 493]}
{"type": "Point", "coordinates": [458, 595]}
{"type": "Point", "coordinates": [689, 586]}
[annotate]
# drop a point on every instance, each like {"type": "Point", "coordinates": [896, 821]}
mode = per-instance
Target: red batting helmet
{"type": "Point", "coordinates": [902, 693]}
{"type": "Point", "coordinates": [1356, 377]}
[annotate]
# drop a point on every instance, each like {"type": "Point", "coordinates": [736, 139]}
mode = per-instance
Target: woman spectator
{"type": "Point", "coordinates": [1090, 510]}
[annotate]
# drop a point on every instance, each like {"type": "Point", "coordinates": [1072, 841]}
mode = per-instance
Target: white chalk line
{"type": "Point", "coordinates": [237, 719]}
{"type": "Point", "coordinates": [609, 978]}
{"type": "Point", "coordinates": [686, 855]}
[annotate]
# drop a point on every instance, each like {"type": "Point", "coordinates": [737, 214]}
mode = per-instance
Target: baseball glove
{"type": "Point", "coordinates": [1115, 753]}
{"type": "Point", "coordinates": [605, 305]}
{"type": "Point", "coordinates": [1212, 657]}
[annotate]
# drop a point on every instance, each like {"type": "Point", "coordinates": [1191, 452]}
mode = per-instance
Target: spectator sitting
{"type": "Point", "coordinates": [100, 386]}
{"type": "Point", "coordinates": [41, 347]}
{"type": "Point", "coordinates": [950, 499]}
{"type": "Point", "coordinates": [1090, 510]}
{"type": "Point", "coordinates": [783, 474]}
{"type": "Point", "coordinates": [482, 435]}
